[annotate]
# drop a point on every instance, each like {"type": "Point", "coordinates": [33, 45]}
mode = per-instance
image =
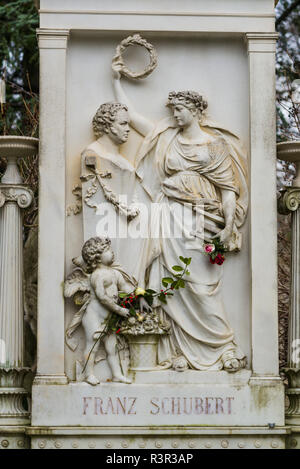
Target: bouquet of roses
{"type": "Point", "coordinates": [215, 250]}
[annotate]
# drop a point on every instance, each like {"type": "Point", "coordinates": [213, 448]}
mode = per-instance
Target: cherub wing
{"type": "Point", "coordinates": [77, 284]}
{"type": "Point", "coordinates": [77, 281]}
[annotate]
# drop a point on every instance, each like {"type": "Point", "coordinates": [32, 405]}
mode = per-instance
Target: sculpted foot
{"type": "Point", "coordinates": [233, 364]}
{"type": "Point", "coordinates": [121, 379]}
{"type": "Point", "coordinates": [91, 379]}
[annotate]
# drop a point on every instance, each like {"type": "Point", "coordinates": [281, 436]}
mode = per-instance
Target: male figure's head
{"type": "Point", "coordinates": [112, 119]}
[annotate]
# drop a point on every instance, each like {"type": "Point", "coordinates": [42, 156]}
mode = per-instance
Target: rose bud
{"type": "Point", "coordinates": [209, 248]}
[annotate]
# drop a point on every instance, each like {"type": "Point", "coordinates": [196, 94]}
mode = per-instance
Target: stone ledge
{"type": "Point", "coordinates": [239, 378]}
{"type": "Point", "coordinates": [222, 441]}
{"type": "Point", "coordinates": [159, 430]}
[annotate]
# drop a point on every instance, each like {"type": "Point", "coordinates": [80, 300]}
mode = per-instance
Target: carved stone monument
{"type": "Point", "coordinates": [175, 299]}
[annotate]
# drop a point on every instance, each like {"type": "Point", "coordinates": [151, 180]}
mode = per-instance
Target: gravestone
{"type": "Point", "coordinates": [192, 360]}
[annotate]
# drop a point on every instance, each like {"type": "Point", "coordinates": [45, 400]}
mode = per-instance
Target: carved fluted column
{"type": "Point", "coordinates": [289, 202]}
{"type": "Point", "coordinates": [14, 196]}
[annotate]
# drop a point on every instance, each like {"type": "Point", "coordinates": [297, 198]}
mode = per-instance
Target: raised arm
{"type": "Point", "coordinates": [138, 122]}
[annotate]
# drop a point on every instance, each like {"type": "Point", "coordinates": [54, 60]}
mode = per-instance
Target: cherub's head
{"type": "Point", "coordinates": [97, 251]}
{"type": "Point", "coordinates": [112, 119]}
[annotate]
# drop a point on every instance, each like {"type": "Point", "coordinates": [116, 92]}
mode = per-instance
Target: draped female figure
{"type": "Point", "coordinates": [191, 167]}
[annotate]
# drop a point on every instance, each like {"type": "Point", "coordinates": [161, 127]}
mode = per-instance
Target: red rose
{"type": "Point", "coordinates": [211, 260]}
{"type": "Point", "coordinates": [219, 259]}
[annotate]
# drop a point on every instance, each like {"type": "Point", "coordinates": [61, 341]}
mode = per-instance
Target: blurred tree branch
{"type": "Point", "coordinates": [287, 12]}
{"type": "Point", "coordinates": [19, 66]}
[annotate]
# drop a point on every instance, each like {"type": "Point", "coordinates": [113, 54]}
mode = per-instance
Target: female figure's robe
{"type": "Point", "coordinates": [180, 176]}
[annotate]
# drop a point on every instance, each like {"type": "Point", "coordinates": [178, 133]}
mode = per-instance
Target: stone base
{"type": "Point", "coordinates": [293, 394]}
{"type": "Point", "coordinates": [158, 438]}
{"type": "Point", "coordinates": [183, 399]}
{"type": "Point", "coordinates": [293, 439]}
{"type": "Point", "coordinates": [13, 437]}
{"type": "Point", "coordinates": [13, 397]}
{"type": "Point", "coordinates": [163, 409]}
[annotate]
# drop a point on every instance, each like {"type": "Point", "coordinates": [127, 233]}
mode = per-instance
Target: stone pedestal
{"type": "Point", "coordinates": [290, 203]}
{"type": "Point", "coordinates": [14, 408]}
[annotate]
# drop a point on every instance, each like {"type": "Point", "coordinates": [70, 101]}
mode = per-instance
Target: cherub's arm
{"type": "Point", "coordinates": [128, 288]}
{"type": "Point", "coordinates": [98, 285]}
{"type": "Point", "coordinates": [124, 286]}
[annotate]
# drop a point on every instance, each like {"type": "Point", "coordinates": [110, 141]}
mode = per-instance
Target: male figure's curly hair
{"type": "Point", "coordinates": [190, 99]}
{"type": "Point", "coordinates": [105, 116]}
{"type": "Point", "coordinates": [92, 250]}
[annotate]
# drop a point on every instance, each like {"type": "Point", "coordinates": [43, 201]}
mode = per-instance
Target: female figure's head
{"type": "Point", "coordinates": [97, 251]}
{"type": "Point", "coordinates": [187, 106]}
{"type": "Point", "coordinates": [112, 119]}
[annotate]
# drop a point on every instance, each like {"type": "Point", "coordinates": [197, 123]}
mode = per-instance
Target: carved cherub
{"type": "Point", "coordinates": [95, 285]}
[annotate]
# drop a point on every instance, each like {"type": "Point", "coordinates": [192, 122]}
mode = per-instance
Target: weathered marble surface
{"type": "Point", "coordinates": [114, 404]}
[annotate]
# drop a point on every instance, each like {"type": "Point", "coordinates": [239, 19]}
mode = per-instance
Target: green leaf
{"type": "Point", "coordinates": [177, 268]}
{"type": "Point", "coordinates": [187, 272]}
{"type": "Point", "coordinates": [122, 294]}
{"type": "Point", "coordinates": [167, 280]}
{"type": "Point", "coordinates": [165, 284]}
{"type": "Point", "coordinates": [181, 283]}
{"type": "Point", "coordinates": [150, 292]}
{"type": "Point", "coordinates": [132, 311]}
{"type": "Point", "coordinates": [149, 299]}
{"type": "Point", "coordinates": [162, 298]}
{"type": "Point", "coordinates": [185, 260]}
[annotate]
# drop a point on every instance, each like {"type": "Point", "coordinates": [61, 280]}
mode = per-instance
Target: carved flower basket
{"type": "Point", "coordinates": [143, 334]}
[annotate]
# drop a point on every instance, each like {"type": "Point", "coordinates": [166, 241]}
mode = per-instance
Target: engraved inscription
{"type": "Point", "coordinates": [191, 405]}
{"type": "Point", "coordinates": [110, 406]}
{"type": "Point", "coordinates": [158, 406]}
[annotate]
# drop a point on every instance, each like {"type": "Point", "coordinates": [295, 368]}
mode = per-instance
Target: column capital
{"type": "Point", "coordinates": [53, 38]}
{"type": "Point", "coordinates": [289, 200]}
{"type": "Point", "coordinates": [15, 193]}
{"type": "Point", "coordinates": [261, 42]}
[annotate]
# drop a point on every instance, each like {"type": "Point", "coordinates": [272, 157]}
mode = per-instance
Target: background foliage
{"type": "Point", "coordinates": [288, 47]}
{"type": "Point", "coordinates": [19, 67]}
